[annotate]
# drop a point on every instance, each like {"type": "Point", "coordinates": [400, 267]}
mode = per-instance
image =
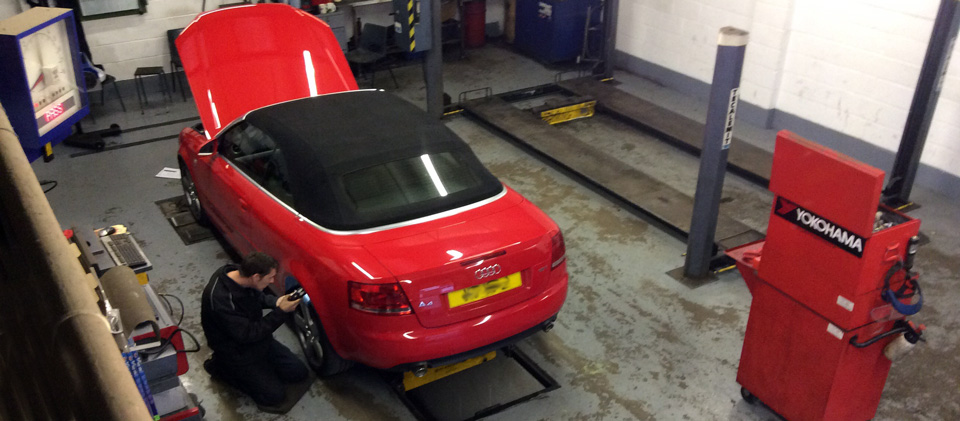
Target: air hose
{"type": "Point", "coordinates": [909, 288]}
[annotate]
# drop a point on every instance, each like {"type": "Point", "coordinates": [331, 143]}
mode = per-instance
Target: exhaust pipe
{"type": "Point", "coordinates": [421, 370]}
{"type": "Point", "coordinates": [548, 326]}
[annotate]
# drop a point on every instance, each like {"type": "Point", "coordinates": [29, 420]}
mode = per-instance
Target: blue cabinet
{"type": "Point", "coordinates": [552, 30]}
{"type": "Point", "coordinates": [41, 87]}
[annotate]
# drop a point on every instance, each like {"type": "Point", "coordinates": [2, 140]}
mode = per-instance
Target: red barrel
{"type": "Point", "coordinates": [474, 23]}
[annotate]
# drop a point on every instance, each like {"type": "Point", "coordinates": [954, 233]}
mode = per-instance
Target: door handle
{"type": "Point", "coordinates": [243, 204]}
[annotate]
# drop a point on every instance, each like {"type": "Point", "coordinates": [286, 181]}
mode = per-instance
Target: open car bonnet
{"type": "Point", "coordinates": [241, 58]}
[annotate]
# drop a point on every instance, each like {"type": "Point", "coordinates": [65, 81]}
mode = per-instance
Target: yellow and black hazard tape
{"type": "Point", "coordinates": [413, 41]}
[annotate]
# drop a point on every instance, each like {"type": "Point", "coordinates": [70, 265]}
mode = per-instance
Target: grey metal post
{"type": "Point", "coordinates": [433, 64]}
{"type": "Point", "coordinates": [609, 36]}
{"type": "Point", "coordinates": [724, 94]}
{"type": "Point", "coordinates": [924, 104]}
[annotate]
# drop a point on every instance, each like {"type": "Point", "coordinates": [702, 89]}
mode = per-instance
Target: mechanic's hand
{"type": "Point", "coordinates": [284, 303]}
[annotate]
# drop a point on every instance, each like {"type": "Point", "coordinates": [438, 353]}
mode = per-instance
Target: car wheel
{"type": "Point", "coordinates": [190, 193]}
{"type": "Point", "coordinates": [320, 355]}
{"type": "Point", "coordinates": [748, 397]}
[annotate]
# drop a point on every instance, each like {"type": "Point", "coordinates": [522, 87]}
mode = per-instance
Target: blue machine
{"type": "Point", "coordinates": [552, 30]}
{"type": "Point", "coordinates": [41, 82]}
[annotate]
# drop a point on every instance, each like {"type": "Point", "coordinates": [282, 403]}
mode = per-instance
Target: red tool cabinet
{"type": "Point", "coordinates": [817, 282]}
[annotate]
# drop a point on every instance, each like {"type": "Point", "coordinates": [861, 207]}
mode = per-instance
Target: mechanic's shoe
{"type": "Point", "coordinates": [279, 409]}
{"type": "Point", "coordinates": [294, 392]}
{"type": "Point", "coordinates": [211, 368]}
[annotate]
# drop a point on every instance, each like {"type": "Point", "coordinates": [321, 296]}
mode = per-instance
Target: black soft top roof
{"type": "Point", "coordinates": [324, 137]}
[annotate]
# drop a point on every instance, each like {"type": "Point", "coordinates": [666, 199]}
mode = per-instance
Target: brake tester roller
{"type": "Point", "coordinates": [832, 284]}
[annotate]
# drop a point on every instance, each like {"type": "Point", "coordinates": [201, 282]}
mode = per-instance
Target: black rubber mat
{"type": "Point", "coordinates": [176, 212]}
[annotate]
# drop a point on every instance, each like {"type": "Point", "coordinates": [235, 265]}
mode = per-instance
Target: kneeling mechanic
{"type": "Point", "coordinates": [245, 354]}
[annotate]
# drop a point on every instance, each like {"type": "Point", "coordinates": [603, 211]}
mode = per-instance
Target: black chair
{"type": "Point", "coordinates": [176, 67]}
{"type": "Point", "coordinates": [140, 73]}
{"type": "Point", "coordinates": [371, 52]}
{"type": "Point", "coordinates": [108, 80]}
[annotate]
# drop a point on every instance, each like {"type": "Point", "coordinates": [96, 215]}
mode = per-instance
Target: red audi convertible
{"type": "Point", "coordinates": [411, 253]}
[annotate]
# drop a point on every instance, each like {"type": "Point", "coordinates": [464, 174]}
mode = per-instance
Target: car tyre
{"type": "Point", "coordinates": [748, 397]}
{"type": "Point", "coordinates": [193, 199]}
{"type": "Point", "coordinates": [320, 355]}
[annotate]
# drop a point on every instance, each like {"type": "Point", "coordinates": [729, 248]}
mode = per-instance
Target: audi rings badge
{"type": "Point", "coordinates": [487, 272]}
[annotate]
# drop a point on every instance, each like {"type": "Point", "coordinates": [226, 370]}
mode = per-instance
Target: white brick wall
{"type": "Point", "coordinates": [681, 35]}
{"type": "Point", "coordinates": [124, 43]}
{"type": "Point", "coordinates": [859, 61]}
{"type": "Point", "coordinates": [850, 65]}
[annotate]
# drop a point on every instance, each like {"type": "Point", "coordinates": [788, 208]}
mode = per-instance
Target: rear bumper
{"type": "Point", "coordinates": [438, 362]}
{"type": "Point", "coordinates": [401, 346]}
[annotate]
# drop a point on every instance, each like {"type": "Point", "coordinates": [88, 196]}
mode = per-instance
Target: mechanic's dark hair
{"type": "Point", "coordinates": [257, 263]}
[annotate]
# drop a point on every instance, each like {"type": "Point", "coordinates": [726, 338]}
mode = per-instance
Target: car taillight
{"type": "Point", "coordinates": [379, 298]}
{"type": "Point", "coordinates": [559, 251]}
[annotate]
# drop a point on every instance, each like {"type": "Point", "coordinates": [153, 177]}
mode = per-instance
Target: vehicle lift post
{"type": "Point", "coordinates": [717, 135]}
{"type": "Point", "coordinates": [611, 10]}
{"type": "Point", "coordinates": [942, 40]}
{"type": "Point", "coordinates": [433, 62]}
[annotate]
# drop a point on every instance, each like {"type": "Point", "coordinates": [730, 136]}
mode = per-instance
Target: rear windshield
{"type": "Point", "coordinates": [415, 186]}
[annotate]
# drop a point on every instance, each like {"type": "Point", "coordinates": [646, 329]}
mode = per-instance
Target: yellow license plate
{"type": "Point", "coordinates": [479, 292]}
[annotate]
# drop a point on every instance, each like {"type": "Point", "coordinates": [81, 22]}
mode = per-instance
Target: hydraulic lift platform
{"type": "Point", "coordinates": [744, 159]}
{"type": "Point", "coordinates": [665, 204]}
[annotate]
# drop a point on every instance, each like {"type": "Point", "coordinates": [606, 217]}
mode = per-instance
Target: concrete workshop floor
{"type": "Point", "coordinates": [630, 343]}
